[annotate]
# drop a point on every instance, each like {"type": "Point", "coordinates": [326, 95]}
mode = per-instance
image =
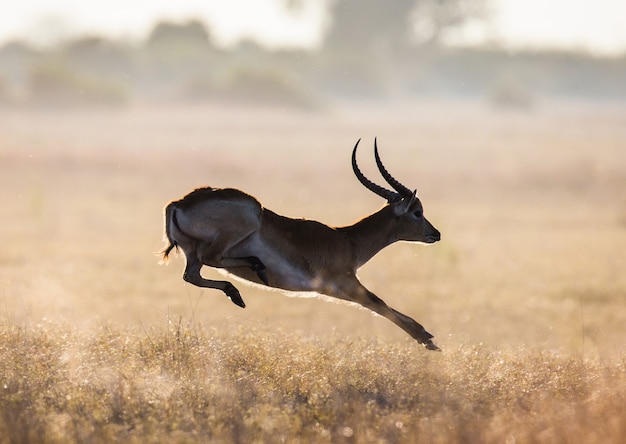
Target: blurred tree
{"type": "Point", "coordinates": [191, 33]}
{"type": "Point", "coordinates": [368, 42]}
{"type": "Point", "coordinates": [432, 19]}
{"type": "Point", "coordinates": [99, 56]}
{"type": "Point", "coordinates": [368, 25]}
{"type": "Point", "coordinates": [4, 91]}
{"type": "Point", "coordinates": [294, 5]}
{"type": "Point", "coordinates": [55, 83]}
{"type": "Point", "coordinates": [176, 54]}
{"type": "Point", "coordinates": [374, 25]}
{"type": "Point", "coordinates": [15, 59]}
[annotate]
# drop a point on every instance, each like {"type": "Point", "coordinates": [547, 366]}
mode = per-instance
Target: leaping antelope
{"type": "Point", "coordinates": [229, 229]}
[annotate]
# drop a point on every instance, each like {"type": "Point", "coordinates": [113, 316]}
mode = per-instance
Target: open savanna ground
{"type": "Point", "coordinates": [525, 293]}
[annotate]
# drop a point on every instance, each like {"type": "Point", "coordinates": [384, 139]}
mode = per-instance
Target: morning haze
{"type": "Point", "coordinates": [518, 160]}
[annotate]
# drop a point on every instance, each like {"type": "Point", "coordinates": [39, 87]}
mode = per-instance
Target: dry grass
{"type": "Point", "coordinates": [180, 384]}
{"type": "Point", "coordinates": [525, 293]}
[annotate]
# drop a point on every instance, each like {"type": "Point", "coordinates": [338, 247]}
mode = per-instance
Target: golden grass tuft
{"type": "Point", "coordinates": [184, 383]}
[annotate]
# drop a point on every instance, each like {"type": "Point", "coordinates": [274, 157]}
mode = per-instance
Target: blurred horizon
{"type": "Point", "coordinates": [597, 28]}
{"type": "Point", "coordinates": [364, 50]}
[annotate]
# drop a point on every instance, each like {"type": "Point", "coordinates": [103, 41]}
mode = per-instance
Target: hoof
{"type": "Point", "coordinates": [233, 294]}
{"type": "Point", "coordinates": [430, 345]}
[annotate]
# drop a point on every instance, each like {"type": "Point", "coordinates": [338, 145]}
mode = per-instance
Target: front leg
{"type": "Point", "coordinates": [354, 291]}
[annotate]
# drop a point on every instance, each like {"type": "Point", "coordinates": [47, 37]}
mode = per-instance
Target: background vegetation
{"type": "Point", "coordinates": [370, 51]}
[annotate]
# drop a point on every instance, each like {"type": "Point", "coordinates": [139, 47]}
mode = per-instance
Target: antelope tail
{"type": "Point", "coordinates": [170, 218]}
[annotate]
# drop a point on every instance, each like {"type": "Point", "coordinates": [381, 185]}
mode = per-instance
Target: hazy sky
{"type": "Point", "coordinates": [598, 25]}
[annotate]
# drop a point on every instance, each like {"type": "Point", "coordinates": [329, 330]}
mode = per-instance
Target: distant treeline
{"type": "Point", "coordinates": [180, 62]}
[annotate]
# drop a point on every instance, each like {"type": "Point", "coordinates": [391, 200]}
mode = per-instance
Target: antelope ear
{"type": "Point", "coordinates": [403, 206]}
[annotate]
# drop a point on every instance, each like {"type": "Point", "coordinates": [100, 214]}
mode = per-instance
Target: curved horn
{"type": "Point", "coordinates": [401, 189]}
{"type": "Point", "coordinates": [382, 192]}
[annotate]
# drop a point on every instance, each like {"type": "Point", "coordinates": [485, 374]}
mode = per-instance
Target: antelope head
{"type": "Point", "coordinates": [403, 204]}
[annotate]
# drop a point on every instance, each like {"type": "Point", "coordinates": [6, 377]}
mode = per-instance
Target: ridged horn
{"type": "Point", "coordinates": [401, 189]}
{"type": "Point", "coordinates": [377, 189]}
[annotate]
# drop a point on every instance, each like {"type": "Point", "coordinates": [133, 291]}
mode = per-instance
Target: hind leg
{"type": "Point", "coordinates": [213, 254]}
{"type": "Point", "coordinates": [193, 276]}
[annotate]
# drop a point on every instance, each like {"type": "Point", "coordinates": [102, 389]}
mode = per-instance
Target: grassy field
{"type": "Point", "coordinates": [525, 293]}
